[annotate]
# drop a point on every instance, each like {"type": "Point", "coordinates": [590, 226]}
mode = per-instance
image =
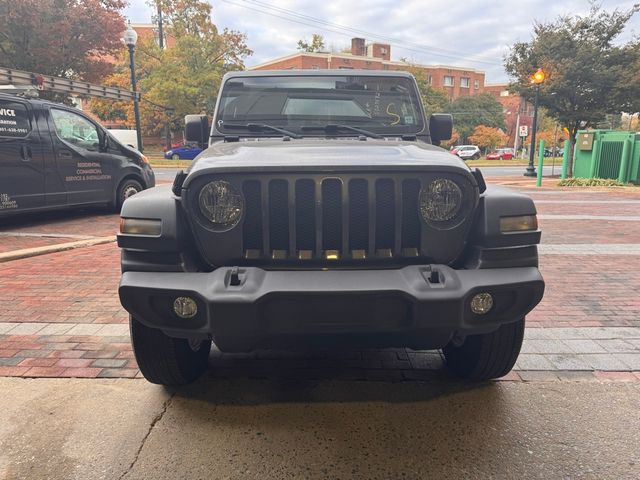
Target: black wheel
{"type": "Point", "coordinates": [128, 188]}
{"type": "Point", "coordinates": [165, 360]}
{"type": "Point", "coordinates": [487, 356]}
{"type": "Point", "coordinates": [175, 156]}
{"type": "Point", "coordinates": [476, 156]}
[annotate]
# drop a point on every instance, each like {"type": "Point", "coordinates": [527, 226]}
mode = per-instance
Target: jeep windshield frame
{"type": "Point", "coordinates": [384, 105]}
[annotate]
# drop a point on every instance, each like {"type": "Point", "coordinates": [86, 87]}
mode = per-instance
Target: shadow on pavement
{"type": "Point", "coordinates": [261, 387]}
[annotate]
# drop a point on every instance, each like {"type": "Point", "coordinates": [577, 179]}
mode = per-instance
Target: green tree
{"type": "Point", "coordinates": [316, 44]}
{"type": "Point", "coordinates": [182, 79]}
{"type": "Point", "coordinates": [471, 111]}
{"type": "Point", "coordinates": [588, 75]}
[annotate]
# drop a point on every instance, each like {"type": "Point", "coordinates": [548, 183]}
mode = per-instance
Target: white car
{"type": "Point", "coordinates": [468, 152]}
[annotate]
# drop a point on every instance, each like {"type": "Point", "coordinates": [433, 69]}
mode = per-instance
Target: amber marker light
{"type": "Point", "coordinates": [521, 223]}
{"type": "Point", "coordinates": [140, 226]}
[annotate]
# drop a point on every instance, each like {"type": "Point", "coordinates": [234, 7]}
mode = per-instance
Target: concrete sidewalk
{"type": "Point", "coordinates": [91, 429]}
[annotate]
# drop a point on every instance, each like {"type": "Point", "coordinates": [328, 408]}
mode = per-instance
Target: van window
{"type": "Point", "coordinates": [14, 120]}
{"type": "Point", "coordinates": [75, 129]}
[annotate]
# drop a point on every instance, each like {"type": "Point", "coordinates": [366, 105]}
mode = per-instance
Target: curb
{"type": "Point", "coordinates": [61, 247]}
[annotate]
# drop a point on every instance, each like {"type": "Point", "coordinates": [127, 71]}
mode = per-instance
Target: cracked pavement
{"type": "Point", "coordinates": [247, 428]}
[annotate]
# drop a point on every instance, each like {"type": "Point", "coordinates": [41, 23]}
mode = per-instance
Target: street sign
{"type": "Point", "coordinates": [524, 131]}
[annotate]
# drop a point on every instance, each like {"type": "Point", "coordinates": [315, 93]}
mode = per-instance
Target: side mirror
{"type": "Point", "coordinates": [440, 127]}
{"type": "Point", "coordinates": [196, 130]}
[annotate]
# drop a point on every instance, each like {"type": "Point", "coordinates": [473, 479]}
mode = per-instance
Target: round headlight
{"type": "Point", "coordinates": [440, 201]}
{"type": "Point", "coordinates": [221, 204]}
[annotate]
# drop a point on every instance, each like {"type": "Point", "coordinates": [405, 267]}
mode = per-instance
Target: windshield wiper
{"type": "Point", "coordinates": [334, 128]}
{"type": "Point", "coordinates": [261, 127]}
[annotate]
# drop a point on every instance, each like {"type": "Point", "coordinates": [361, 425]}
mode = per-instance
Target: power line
{"type": "Point", "coordinates": [363, 32]}
{"type": "Point", "coordinates": [334, 28]}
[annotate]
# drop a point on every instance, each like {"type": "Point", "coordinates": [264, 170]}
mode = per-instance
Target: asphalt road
{"type": "Point", "coordinates": [242, 428]}
{"type": "Point", "coordinates": [168, 174]}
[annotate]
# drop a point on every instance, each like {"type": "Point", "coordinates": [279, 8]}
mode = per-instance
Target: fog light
{"type": "Point", "coordinates": [481, 303]}
{"type": "Point", "coordinates": [185, 307]}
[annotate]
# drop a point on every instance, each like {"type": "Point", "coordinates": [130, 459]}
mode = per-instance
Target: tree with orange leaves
{"type": "Point", "coordinates": [488, 137]}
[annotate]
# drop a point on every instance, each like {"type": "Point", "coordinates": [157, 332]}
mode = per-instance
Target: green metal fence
{"type": "Point", "coordinates": [607, 154]}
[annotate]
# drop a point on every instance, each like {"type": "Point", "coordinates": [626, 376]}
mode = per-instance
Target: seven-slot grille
{"type": "Point", "coordinates": [331, 218]}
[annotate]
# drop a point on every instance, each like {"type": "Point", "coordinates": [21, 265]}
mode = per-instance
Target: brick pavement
{"type": "Point", "coordinates": [60, 315]}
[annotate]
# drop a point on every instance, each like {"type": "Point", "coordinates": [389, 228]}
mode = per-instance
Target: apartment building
{"type": "Point", "coordinates": [456, 81]}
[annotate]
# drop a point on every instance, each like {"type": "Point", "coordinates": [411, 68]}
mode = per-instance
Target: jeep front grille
{"type": "Point", "coordinates": [331, 218]}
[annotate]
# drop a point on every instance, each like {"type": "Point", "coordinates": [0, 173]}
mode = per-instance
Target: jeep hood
{"type": "Point", "coordinates": [319, 154]}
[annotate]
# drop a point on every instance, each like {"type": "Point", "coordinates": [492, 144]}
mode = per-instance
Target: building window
{"type": "Point", "coordinates": [464, 82]}
{"type": "Point", "coordinates": [448, 81]}
{"type": "Point", "coordinates": [342, 67]}
{"type": "Point", "coordinates": [315, 67]}
{"type": "Point", "coordinates": [476, 84]}
{"type": "Point", "coordinates": [429, 79]}
{"type": "Point", "coordinates": [385, 67]}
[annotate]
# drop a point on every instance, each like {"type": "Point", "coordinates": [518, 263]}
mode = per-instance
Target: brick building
{"type": "Point", "coordinates": [146, 30]}
{"type": "Point", "coordinates": [456, 81]}
{"type": "Point", "coordinates": [517, 111]}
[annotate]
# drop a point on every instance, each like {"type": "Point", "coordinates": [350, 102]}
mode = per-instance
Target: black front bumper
{"type": "Point", "coordinates": [399, 307]}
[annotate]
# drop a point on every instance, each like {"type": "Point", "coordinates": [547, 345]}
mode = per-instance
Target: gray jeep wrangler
{"type": "Point", "coordinates": [324, 213]}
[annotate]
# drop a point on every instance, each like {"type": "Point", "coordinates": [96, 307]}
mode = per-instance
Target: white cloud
{"type": "Point", "coordinates": [473, 33]}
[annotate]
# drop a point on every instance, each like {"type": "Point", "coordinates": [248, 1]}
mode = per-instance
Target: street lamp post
{"type": "Point", "coordinates": [537, 79]}
{"type": "Point", "coordinates": [130, 38]}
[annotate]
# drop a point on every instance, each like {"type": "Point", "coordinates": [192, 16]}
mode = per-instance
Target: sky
{"type": "Point", "coordinates": [471, 33]}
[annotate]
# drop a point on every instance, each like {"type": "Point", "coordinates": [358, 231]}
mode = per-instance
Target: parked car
{"type": "Point", "coordinates": [184, 152]}
{"type": "Point", "coordinates": [501, 154]}
{"type": "Point", "coordinates": [54, 156]}
{"type": "Point", "coordinates": [468, 152]}
{"type": "Point", "coordinates": [331, 224]}
{"type": "Point", "coordinates": [553, 152]}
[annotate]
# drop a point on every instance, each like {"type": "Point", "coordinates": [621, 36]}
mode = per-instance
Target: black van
{"type": "Point", "coordinates": [53, 156]}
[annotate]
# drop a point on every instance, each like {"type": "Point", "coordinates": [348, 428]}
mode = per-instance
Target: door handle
{"type": "Point", "coordinates": [25, 153]}
{"type": "Point", "coordinates": [65, 153]}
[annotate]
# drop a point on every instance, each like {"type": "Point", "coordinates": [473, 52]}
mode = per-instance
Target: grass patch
{"type": "Point", "coordinates": [590, 182]}
{"type": "Point", "coordinates": [161, 162]}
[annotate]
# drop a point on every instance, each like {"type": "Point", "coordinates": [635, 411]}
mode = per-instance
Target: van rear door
{"type": "Point", "coordinates": [21, 159]}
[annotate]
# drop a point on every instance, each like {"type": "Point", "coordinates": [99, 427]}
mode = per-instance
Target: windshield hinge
{"type": "Point", "coordinates": [231, 138]}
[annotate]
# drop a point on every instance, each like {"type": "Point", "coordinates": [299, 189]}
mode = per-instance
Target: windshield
{"type": "Point", "coordinates": [379, 104]}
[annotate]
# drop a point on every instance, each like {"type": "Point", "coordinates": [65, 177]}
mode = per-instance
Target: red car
{"type": "Point", "coordinates": [501, 154]}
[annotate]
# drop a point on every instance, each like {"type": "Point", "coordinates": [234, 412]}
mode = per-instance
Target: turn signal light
{"type": "Point", "coordinates": [520, 223]}
{"type": "Point", "coordinates": [140, 226]}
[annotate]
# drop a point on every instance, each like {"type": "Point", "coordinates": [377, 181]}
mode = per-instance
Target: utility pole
{"type": "Point", "coordinates": [517, 132]}
{"type": "Point", "coordinates": [160, 29]}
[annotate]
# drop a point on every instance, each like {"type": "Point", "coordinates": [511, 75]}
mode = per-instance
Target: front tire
{"type": "Point", "coordinates": [175, 156]}
{"type": "Point", "coordinates": [486, 356]}
{"type": "Point", "coordinates": [476, 156]}
{"type": "Point", "coordinates": [165, 360]}
{"type": "Point", "coordinates": [128, 188]}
